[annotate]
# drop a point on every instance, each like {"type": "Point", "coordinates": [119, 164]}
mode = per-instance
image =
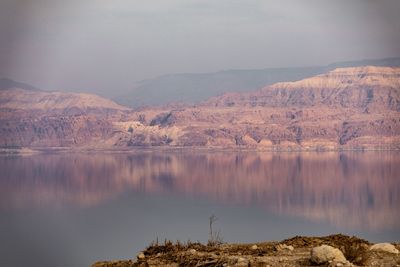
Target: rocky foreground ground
{"type": "Point", "coordinates": [334, 250]}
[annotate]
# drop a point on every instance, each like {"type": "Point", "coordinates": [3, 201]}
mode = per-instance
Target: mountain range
{"type": "Point", "coordinates": [346, 108]}
{"type": "Point", "coordinates": [197, 87]}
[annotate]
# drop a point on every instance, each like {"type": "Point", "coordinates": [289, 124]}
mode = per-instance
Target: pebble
{"type": "Point", "coordinates": [284, 247]}
{"type": "Point", "coordinates": [282, 259]}
{"type": "Point", "coordinates": [291, 248]}
{"type": "Point", "coordinates": [141, 256]}
{"type": "Point", "coordinates": [240, 260]}
{"type": "Point", "coordinates": [192, 251]}
{"type": "Point", "coordinates": [254, 247]}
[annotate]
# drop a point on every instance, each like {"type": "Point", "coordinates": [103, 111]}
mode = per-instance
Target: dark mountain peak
{"type": "Point", "coordinates": [384, 62]}
{"type": "Point", "coordinates": [198, 87]}
{"type": "Point", "coordinates": [6, 83]}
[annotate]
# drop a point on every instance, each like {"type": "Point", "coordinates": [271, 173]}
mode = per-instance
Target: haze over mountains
{"type": "Point", "coordinates": [193, 88]}
{"type": "Point", "coordinates": [196, 87]}
{"type": "Point", "coordinates": [355, 107]}
{"type": "Point", "coordinates": [9, 84]}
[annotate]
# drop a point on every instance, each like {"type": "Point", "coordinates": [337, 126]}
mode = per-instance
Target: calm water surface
{"type": "Point", "coordinates": [74, 209]}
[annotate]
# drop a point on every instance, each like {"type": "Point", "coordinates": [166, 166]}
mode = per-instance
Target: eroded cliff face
{"type": "Point", "coordinates": [362, 88]}
{"type": "Point", "coordinates": [349, 107]}
{"type": "Point", "coordinates": [54, 131]}
{"type": "Point", "coordinates": [35, 118]}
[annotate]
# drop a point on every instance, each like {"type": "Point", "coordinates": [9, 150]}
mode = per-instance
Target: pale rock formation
{"type": "Point", "coordinates": [324, 254]}
{"type": "Point", "coordinates": [385, 247]}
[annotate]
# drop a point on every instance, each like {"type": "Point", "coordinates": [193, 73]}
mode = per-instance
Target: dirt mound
{"type": "Point", "coordinates": [290, 252]}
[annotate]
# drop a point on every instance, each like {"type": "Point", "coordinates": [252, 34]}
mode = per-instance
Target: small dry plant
{"type": "Point", "coordinates": [215, 238]}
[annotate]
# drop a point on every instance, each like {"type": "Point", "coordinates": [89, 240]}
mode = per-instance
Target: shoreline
{"type": "Point", "coordinates": [36, 150]}
{"type": "Point", "coordinates": [334, 250]}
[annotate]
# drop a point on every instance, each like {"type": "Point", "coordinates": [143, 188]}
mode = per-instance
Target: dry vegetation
{"type": "Point", "coordinates": [291, 252]}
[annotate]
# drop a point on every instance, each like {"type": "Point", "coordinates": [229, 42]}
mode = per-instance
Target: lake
{"type": "Point", "coordinates": [67, 209]}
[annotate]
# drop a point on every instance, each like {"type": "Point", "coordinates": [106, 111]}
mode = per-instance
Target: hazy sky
{"type": "Point", "coordinates": [109, 44]}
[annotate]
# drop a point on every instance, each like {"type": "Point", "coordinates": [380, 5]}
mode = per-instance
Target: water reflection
{"type": "Point", "coordinates": [360, 190]}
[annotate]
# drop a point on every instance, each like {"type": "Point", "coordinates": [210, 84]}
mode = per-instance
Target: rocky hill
{"type": "Point", "coordinates": [356, 107]}
{"type": "Point", "coordinates": [32, 117]}
{"type": "Point", "coordinates": [17, 98]}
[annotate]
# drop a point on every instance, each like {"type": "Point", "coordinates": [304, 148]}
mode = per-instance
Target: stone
{"type": "Point", "coordinates": [141, 256]}
{"type": "Point", "coordinates": [254, 247]}
{"type": "Point", "coordinates": [325, 253]}
{"type": "Point", "coordinates": [282, 259]}
{"type": "Point", "coordinates": [192, 251]}
{"type": "Point", "coordinates": [242, 262]}
{"type": "Point", "coordinates": [284, 247]}
{"type": "Point", "coordinates": [386, 247]}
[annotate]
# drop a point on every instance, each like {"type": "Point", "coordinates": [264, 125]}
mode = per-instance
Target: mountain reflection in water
{"type": "Point", "coordinates": [354, 189]}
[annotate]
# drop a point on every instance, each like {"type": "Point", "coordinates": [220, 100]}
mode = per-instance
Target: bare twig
{"type": "Point", "coordinates": [215, 237]}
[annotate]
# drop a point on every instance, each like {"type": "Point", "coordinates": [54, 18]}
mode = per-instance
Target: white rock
{"type": "Point", "coordinates": [282, 259]}
{"type": "Point", "coordinates": [386, 247]}
{"type": "Point", "coordinates": [192, 251]}
{"type": "Point", "coordinates": [141, 256]}
{"type": "Point", "coordinates": [285, 247]}
{"type": "Point", "coordinates": [254, 247]}
{"type": "Point", "coordinates": [291, 248]}
{"type": "Point", "coordinates": [240, 260]}
{"type": "Point", "coordinates": [324, 254]}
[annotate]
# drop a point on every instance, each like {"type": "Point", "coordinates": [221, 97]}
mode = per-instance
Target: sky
{"type": "Point", "coordinates": [106, 45]}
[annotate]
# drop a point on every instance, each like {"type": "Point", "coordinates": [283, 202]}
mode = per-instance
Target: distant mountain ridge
{"type": "Point", "coordinates": [197, 87]}
{"type": "Point", "coordinates": [25, 98]}
{"type": "Point", "coordinates": [354, 87]}
{"type": "Point", "coordinates": [6, 83]}
{"type": "Point", "coordinates": [346, 108]}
